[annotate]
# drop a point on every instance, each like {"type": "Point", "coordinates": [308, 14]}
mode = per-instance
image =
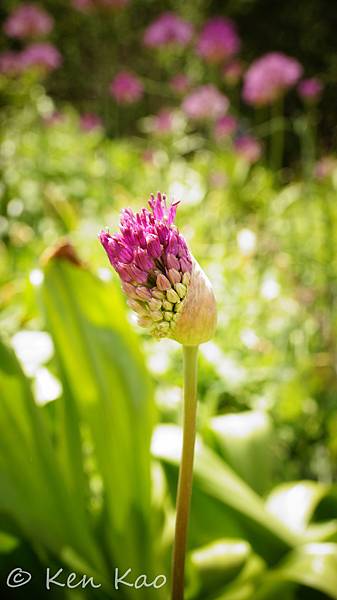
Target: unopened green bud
{"type": "Point", "coordinates": [144, 321]}
{"type": "Point", "coordinates": [138, 307]}
{"type": "Point", "coordinates": [167, 305]}
{"type": "Point", "coordinates": [155, 304]}
{"type": "Point", "coordinates": [168, 316]}
{"type": "Point", "coordinates": [174, 276]}
{"type": "Point", "coordinates": [162, 328]}
{"type": "Point", "coordinates": [162, 282]}
{"type": "Point", "coordinates": [181, 289]}
{"type": "Point", "coordinates": [158, 294]}
{"type": "Point", "coordinates": [172, 296]}
{"type": "Point", "coordinates": [156, 316]}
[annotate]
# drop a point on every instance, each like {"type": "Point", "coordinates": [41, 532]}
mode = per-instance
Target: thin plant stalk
{"type": "Point", "coordinates": [277, 136]}
{"type": "Point", "coordinates": [186, 471]}
{"type": "Point", "coordinates": [308, 143]}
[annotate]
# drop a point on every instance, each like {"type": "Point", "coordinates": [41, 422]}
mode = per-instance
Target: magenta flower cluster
{"type": "Point", "coordinates": [153, 261]}
{"type": "Point", "coordinates": [205, 103]}
{"type": "Point", "coordinates": [126, 88]}
{"type": "Point", "coordinates": [169, 28]}
{"type": "Point", "coordinates": [28, 21]}
{"type": "Point", "coordinates": [218, 40]}
{"type": "Point", "coordinates": [40, 55]}
{"type": "Point", "coordinates": [269, 77]}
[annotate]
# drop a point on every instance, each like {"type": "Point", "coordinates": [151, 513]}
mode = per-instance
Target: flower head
{"type": "Point", "coordinates": [126, 88]}
{"type": "Point", "coordinates": [168, 29]}
{"type": "Point", "coordinates": [269, 77]}
{"type": "Point", "coordinates": [310, 89]}
{"type": "Point", "coordinates": [164, 285]}
{"type": "Point", "coordinates": [218, 40]}
{"type": "Point", "coordinates": [205, 102]}
{"type": "Point", "coordinates": [28, 21]}
{"type": "Point", "coordinates": [43, 56]}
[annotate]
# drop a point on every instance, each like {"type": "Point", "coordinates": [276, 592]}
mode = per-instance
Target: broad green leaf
{"type": "Point", "coordinates": [211, 567]}
{"type": "Point", "coordinates": [29, 470]}
{"type": "Point", "coordinates": [266, 534]}
{"type": "Point", "coordinates": [312, 565]}
{"type": "Point", "coordinates": [295, 504]}
{"type": "Point", "coordinates": [245, 442]}
{"type": "Point", "coordinates": [108, 392]}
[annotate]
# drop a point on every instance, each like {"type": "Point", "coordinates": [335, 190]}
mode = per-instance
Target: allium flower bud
{"type": "Point", "coordinates": [165, 286]}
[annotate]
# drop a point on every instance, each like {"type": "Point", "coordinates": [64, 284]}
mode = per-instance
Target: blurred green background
{"type": "Point", "coordinates": [90, 406]}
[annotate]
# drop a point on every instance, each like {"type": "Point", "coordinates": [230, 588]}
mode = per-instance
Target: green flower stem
{"type": "Point", "coordinates": [277, 136]}
{"type": "Point", "coordinates": [186, 471]}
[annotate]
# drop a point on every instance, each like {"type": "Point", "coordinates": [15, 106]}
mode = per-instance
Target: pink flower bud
{"type": "Point", "coordinates": [165, 287]}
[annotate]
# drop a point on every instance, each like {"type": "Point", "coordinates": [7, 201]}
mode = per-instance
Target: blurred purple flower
{"type": "Point", "coordinates": [10, 63]}
{"type": "Point", "coordinates": [218, 40]}
{"type": "Point", "coordinates": [224, 127]}
{"type": "Point", "coordinates": [126, 88]}
{"type": "Point", "coordinates": [269, 77]}
{"type": "Point", "coordinates": [205, 102]}
{"type": "Point", "coordinates": [310, 89]}
{"type": "Point", "coordinates": [180, 84]}
{"type": "Point", "coordinates": [248, 148]}
{"type": "Point", "coordinates": [90, 121]}
{"type": "Point", "coordinates": [42, 55]}
{"type": "Point", "coordinates": [233, 72]}
{"type": "Point", "coordinates": [153, 262]}
{"type": "Point", "coordinates": [167, 29]}
{"type": "Point", "coordinates": [28, 21]}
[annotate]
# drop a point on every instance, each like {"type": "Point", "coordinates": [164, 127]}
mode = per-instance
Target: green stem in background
{"type": "Point", "coordinates": [277, 136]}
{"type": "Point", "coordinates": [186, 471]}
{"type": "Point", "coordinates": [307, 131]}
